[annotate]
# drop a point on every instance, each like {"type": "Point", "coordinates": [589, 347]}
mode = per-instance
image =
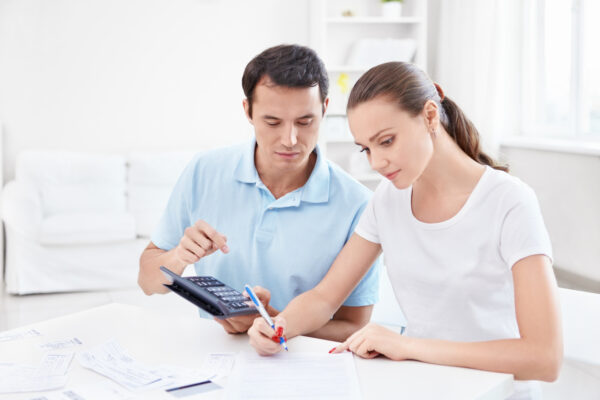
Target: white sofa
{"type": "Point", "coordinates": [78, 221]}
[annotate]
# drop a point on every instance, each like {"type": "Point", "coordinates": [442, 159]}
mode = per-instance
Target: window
{"type": "Point", "coordinates": [561, 69]}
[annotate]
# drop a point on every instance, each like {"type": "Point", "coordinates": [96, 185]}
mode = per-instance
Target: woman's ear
{"type": "Point", "coordinates": [432, 116]}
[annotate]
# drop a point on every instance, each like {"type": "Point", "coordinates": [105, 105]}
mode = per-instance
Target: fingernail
{"type": "Point", "coordinates": [280, 331]}
{"type": "Point", "coordinates": [225, 249]}
{"type": "Point", "coordinates": [275, 338]}
{"type": "Point", "coordinates": [331, 351]}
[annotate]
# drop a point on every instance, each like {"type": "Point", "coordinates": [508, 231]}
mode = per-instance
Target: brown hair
{"type": "Point", "coordinates": [411, 88]}
{"type": "Point", "coordinates": [288, 65]}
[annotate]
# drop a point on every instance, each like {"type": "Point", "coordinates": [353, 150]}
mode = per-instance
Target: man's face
{"type": "Point", "coordinates": [286, 123]}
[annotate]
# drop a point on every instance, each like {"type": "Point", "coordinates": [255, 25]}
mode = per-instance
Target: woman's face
{"type": "Point", "coordinates": [398, 145]}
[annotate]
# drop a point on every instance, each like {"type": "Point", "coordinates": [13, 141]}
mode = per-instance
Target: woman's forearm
{"type": "Point", "coordinates": [307, 313]}
{"type": "Point", "coordinates": [523, 358]}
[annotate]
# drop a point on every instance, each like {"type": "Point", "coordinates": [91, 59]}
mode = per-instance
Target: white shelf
{"type": "Point", "coordinates": [340, 141]}
{"type": "Point", "coordinates": [334, 37]}
{"type": "Point", "coordinates": [373, 20]}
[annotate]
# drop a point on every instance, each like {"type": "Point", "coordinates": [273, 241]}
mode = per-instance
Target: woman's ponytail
{"type": "Point", "coordinates": [464, 133]}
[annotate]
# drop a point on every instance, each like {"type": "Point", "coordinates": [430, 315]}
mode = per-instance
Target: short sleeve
{"type": "Point", "coordinates": [176, 217]}
{"type": "Point", "coordinates": [523, 231]}
{"type": "Point", "coordinates": [367, 225]}
{"type": "Point", "coordinates": [367, 290]}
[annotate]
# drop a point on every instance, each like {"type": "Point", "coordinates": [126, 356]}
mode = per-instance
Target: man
{"type": "Point", "coordinates": [272, 212]}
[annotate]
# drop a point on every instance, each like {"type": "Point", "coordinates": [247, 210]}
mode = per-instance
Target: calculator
{"type": "Point", "coordinates": [210, 294]}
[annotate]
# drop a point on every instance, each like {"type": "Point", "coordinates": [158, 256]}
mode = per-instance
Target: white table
{"type": "Point", "coordinates": [159, 338]}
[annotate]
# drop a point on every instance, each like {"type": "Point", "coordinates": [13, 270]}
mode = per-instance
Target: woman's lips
{"type": "Point", "coordinates": [392, 175]}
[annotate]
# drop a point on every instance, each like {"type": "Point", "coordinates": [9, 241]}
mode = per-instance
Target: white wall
{"type": "Point", "coordinates": [568, 189]}
{"type": "Point", "coordinates": [114, 75]}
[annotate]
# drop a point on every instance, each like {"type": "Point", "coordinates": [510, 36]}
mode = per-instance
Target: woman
{"type": "Point", "coordinates": [464, 242]}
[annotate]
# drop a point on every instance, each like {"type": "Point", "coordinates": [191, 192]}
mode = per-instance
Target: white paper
{"type": "Point", "coordinates": [173, 376]}
{"type": "Point", "coordinates": [55, 364]}
{"type": "Point", "coordinates": [112, 361]}
{"type": "Point", "coordinates": [218, 365]}
{"type": "Point", "coordinates": [109, 359]}
{"type": "Point", "coordinates": [61, 344]}
{"type": "Point", "coordinates": [64, 395]}
{"type": "Point", "coordinates": [50, 374]}
{"type": "Point", "coordinates": [294, 376]}
{"type": "Point", "coordinates": [101, 391]}
{"type": "Point", "coordinates": [104, 390]}
{"type": "Point", "coordinates": [8, 336]}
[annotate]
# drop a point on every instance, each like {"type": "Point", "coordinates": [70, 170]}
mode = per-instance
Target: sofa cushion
{"type": "Point", "coordinates": [87, 228]}
{"type": "Point", "coordinates": [58, 199]}
{"type": "Point", "coordinates": [151, 177]}
{"type": "Point", "coordinates": [75, 182]}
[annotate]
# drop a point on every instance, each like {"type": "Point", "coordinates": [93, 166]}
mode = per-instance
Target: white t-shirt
{"type": "Point", "coordinates": [453, 279]}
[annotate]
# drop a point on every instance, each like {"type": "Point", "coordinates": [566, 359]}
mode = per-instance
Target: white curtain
{"type": "Point", "coordinates": [478, 63]}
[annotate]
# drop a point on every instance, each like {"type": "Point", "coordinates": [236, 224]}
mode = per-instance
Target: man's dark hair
{"type": "Point", "coordinates": [286, 65]}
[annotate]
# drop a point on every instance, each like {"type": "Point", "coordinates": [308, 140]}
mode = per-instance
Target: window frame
{"type": "Point", "coordinates": [532, 94]}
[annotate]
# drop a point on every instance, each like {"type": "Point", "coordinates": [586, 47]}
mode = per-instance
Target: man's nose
{"type": "Point", "coordinates": [290, 137]}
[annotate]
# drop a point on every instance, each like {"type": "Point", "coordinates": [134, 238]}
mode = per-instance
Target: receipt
{"type": "Point", "coordinates": [61, 344]}
{"type": "Point", "coordinates": [218, 364]}
{"type": "Point", "coordinates": [8, 336]}
{"type": "Point", "coordinates": [111, 360]}
{"type": "Point", "coordinates": [50, 374]}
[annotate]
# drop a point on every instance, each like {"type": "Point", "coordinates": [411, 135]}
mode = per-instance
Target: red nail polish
{"type": "Point", "coordinates": [280, 331]}
{"type": "Point", "coordinates": [331, 351]}
{"type": "Point", "coordinates": [275, 338]}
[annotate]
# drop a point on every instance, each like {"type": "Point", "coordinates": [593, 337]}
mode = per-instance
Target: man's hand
{"type": "Point", "coordinates": [242, 323]}
{"type": "Point", "coordinates": [199, 240]}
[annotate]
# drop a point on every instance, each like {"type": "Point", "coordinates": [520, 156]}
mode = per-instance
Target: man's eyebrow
{"type": "Point", "coordinates": [311, 115]}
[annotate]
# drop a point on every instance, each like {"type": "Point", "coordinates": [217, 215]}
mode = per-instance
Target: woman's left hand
{"type": "Point", "coordinates": [373, 340]}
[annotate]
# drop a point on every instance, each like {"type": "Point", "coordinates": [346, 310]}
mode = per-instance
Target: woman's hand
{"type": "Point", "coordinates": [242, 323]}
{"type": "Point", "coordinates": [373, 340]}
{"type": "Point", "coordinates": [264, 339]}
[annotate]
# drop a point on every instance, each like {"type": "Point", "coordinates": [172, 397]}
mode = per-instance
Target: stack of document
{"type": "Point", "coordinates": [22, 334]}
{"type": "Point", "coordinates": [111, 360]}
{"type": "Point", "coordinates": [50, 374]}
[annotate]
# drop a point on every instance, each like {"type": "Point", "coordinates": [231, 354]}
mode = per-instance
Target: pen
{"type": "Point", "coordinates": [264, 313]}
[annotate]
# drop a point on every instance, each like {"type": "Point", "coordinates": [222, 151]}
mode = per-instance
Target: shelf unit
{"type": "Point", "coordinates": [333, 36]}
{"type": "Point", "coordinates": [372, 20]}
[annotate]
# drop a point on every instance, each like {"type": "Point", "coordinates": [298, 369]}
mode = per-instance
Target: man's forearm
{"type": "Point", "coordinates": [337, 330]}
{"type": "Point", "coordinates": [150, 277]}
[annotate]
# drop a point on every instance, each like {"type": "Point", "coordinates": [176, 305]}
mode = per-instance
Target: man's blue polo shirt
{"type": "Point", "coordinates": [285, 245]}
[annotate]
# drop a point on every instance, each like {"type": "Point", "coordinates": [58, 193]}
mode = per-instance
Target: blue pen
{"type": "Point", "coordinates": [264, 313]}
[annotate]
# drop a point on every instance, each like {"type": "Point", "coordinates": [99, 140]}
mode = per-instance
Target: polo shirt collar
{"type": "Point", "coordinates": [245, 170]}
{"type": "Point", "coordinates": [315, 190]}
